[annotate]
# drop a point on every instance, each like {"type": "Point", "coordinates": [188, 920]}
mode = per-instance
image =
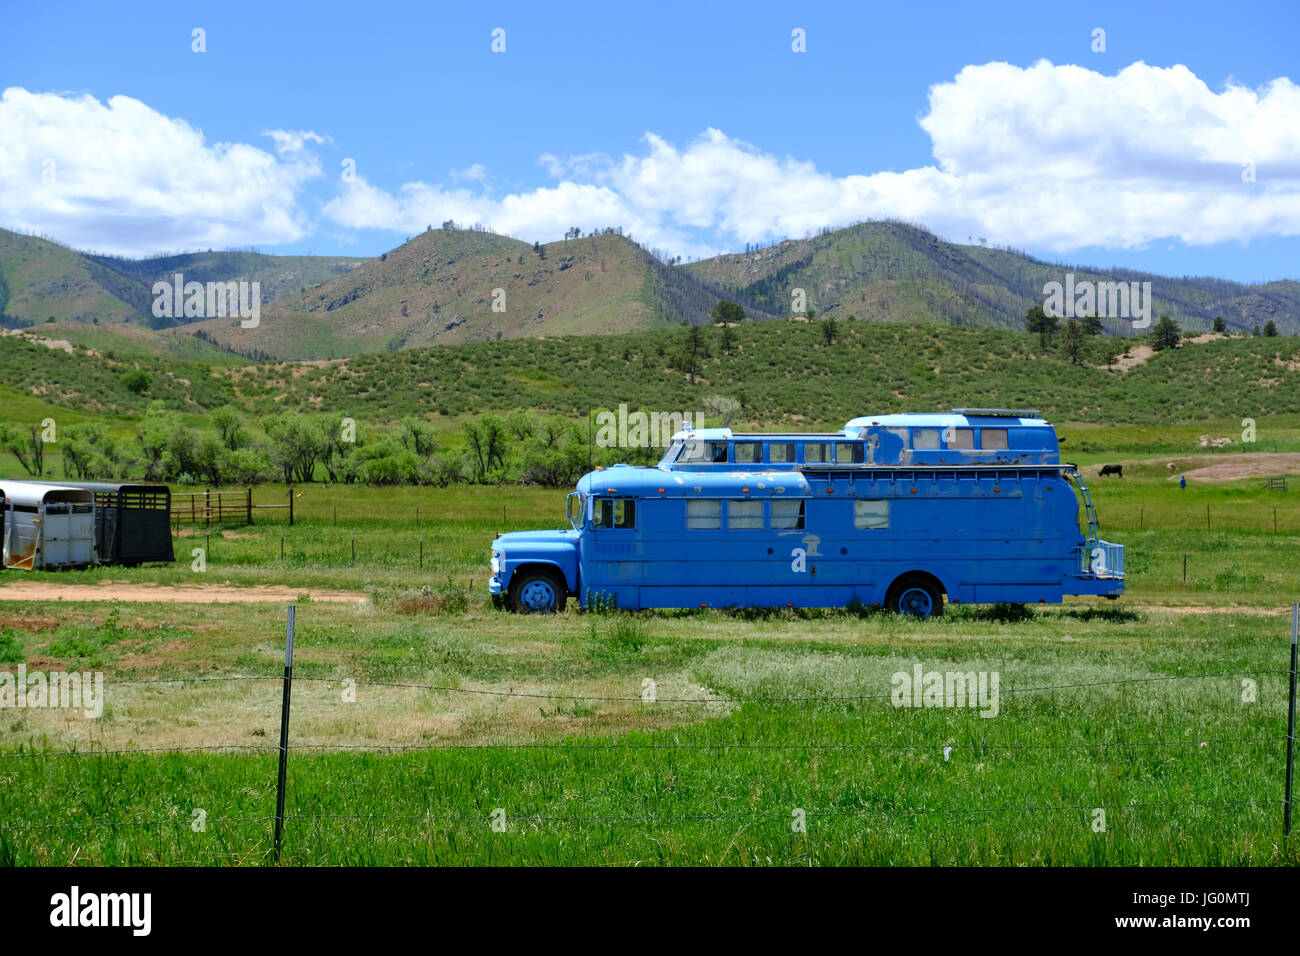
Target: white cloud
{"type": "Point", "coordinates": [293, 140]}
{"type": "Point", "coordinates": [1055, 157]}
{"type": "Point", "coordinates": [470, 174]}
{"type": "Point", "coordinates": [120, 177]}
{"type": "Point", "coordinates": [1046, 156]}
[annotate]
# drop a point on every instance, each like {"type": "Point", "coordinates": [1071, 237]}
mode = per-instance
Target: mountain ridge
{"type": "Point", "coordinates": [452, 285]}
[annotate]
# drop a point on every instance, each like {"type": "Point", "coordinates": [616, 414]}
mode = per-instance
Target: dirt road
{"type": "Point", "coordinates": [17, 589]}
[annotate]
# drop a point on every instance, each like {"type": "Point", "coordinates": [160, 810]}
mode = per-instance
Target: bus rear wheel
{"type": "Point", "coordinates": [916, 596]}
{"type": "Point", "coordinates": [537, 592]}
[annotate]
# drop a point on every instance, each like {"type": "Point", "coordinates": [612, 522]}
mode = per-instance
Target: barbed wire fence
{"type": "Point", "coordinates": [280, 819]}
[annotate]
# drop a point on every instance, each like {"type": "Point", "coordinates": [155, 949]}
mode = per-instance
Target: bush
{"type": "Point", "coordinates": [136, 381]}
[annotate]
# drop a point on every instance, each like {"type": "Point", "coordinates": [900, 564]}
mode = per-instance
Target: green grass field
{"type": "Point", "coordinates": [1103, 707]}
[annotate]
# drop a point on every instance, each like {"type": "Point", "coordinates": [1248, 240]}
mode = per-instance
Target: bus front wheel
{"type": "Point", "coordinates": [917, 595]}
{"type": "Point", "coordinates": [537, 592]}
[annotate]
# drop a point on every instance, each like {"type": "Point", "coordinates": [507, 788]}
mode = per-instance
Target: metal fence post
{"type": "Point", "coordinates": [1290, 723]}
{"type": "Point", "coordinates": [284, 732]}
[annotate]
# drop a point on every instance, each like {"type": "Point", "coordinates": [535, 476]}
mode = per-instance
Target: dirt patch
{"type": "Point", "coordinates": [29, 622]}
{"type": "Point", "coordinates": [1248, 465]}
{"type": "Point", "coordinates": [1134, 357]}
{"type": "Point", "coordinates": [1213, 609]}
{"type": "Point", "coordinates": [167, 593]}
{"type": "Point", "coordinates": [301, 368]}
{"type": "Point", "coordinates": [1212, 468]}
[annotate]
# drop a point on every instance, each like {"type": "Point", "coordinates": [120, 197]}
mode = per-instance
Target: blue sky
{"type": "Point", "coordinates": [750, 141]}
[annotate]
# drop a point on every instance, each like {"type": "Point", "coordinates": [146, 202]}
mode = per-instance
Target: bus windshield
{"type": "Point", "coordinates": [575, 508]}
{"type": "Point", "coordinates": [671, 454]}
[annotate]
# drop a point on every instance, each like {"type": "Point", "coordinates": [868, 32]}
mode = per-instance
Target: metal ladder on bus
{"type": "Point", "coordinates": [1089, 510]}
{"type": "Point", "coordinates": [1088, 507]}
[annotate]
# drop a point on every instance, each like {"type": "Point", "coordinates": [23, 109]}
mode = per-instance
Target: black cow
{"type": "Point", "coordinates": [1112, 470]}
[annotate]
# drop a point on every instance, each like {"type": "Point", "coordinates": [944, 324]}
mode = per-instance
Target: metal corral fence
{"type": "Point", "coordinates": [220, 507]}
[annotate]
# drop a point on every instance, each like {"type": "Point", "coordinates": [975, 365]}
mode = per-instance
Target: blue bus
{"type": "Point", "coordinates": [881, 514]}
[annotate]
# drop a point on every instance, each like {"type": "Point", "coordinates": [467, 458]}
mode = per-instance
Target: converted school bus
{"type": "Point", "coordinates": [897, 511]}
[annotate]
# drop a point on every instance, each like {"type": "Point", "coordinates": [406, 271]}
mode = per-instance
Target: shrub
{"type": "Point", "coordinates": [136, 381]}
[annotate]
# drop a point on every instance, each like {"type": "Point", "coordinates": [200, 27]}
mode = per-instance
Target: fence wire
{"type": "Point", "coordinates": [784, 815]}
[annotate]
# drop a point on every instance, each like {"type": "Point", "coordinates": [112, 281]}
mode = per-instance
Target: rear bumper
{"type": "Point", "coordinates": [1107, 587]}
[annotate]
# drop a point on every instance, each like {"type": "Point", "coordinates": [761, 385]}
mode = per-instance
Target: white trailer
{"type": "Point", "coordinates": [47, 526]}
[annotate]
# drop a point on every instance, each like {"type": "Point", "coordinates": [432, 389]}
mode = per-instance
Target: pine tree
{"type": "Point", "coordinates": [1166, 334]}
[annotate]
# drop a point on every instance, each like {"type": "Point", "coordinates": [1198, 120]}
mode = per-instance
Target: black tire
{"type": "Point", "coordinates": [529, 591]}
{"type": "Point", "coordinates": [916, 595]}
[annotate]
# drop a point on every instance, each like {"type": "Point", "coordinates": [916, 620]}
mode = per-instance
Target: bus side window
{"type": "Point", "coordinates": [994, 438]}
{"type": "Point", "coordinates": [870, 514]}
{"type": "Point", "coordinates": [848, 452]}
{"type": "Point", "coordinates": [781, 451]}
{"type": "Point", "coordinates": [614, 513]}
{"type": "Point", "coordinates": [925, 438]}
{"type": "Point", "coordinates": [745, 513]}
{"type": "Point", "coordinates": [748, 452]}
{"type": "Point", "coordinates": [698, 451]}
{"type": "Point", "coordinates": [787, 513]}
{"type": "Point", "coordinates": [962, 438]}
{"type": "Point", "coordinates": [815, 452]}
{"type": "Point", "coordinates": [703, 514]}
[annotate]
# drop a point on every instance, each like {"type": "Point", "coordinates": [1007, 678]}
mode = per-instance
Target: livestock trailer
{"type": "Point", "coordinates": [132, 521]}
{"type": "Point", "coordinates": [47, 526]}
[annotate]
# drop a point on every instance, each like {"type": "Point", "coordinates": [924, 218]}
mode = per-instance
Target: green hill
{"type": "Point", "coordinates": [784, 373]}
{"type": "Point", "coordinates": [106, 302]}
{"type": "Point", "coordinates": [41, 280]}
{"type": "Point", "coordinates": [440, 288]}
{"type": "Point", "coordinates": [893, 272]}
{"type": "Point", "coordinates": [279, 275]}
